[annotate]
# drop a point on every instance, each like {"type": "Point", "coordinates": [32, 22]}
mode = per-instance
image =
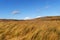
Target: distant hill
{"type": "Point", "coordinates": [43, 28]}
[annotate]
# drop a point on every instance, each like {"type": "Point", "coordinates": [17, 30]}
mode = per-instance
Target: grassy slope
{"type": "Point", "coordinates": [46, 28]}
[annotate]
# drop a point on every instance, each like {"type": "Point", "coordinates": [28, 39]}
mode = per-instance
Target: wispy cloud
{"type": "Point", "coordinates": [38, 16]}
{"type": "Point", "coordinates": [15, 12]}
{"type": "Point", "coordinates": [27, 18]}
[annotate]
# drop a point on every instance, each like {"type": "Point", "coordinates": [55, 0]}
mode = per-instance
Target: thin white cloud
{"type": "Point", "coordinates": [27, 18]}
{"type": "Point", "coordinates": [15, 12]}
{"type": "Point", "coordinates": [38, 16]}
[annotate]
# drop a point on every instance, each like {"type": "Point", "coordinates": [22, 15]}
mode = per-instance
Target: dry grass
{"type": "Point", "coordinates": [36, 29]}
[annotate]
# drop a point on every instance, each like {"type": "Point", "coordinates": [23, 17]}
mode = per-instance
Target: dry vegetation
{"type": "Point", "coordinates": [45, 28]}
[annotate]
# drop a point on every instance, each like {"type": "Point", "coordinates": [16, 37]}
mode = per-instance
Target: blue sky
{"type": "Point", "coordinates": [21, 9]}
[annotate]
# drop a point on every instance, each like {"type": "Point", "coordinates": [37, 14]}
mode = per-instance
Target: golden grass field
{"type": "Point", "coordinates": [44, 28]}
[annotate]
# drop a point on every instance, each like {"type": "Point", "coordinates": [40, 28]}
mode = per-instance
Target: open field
{"type": "Point", "coordinates": [44, 28]}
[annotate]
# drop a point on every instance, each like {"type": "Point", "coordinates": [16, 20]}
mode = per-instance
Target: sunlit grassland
{"type": "Point", "coordinates": [30, 30]}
